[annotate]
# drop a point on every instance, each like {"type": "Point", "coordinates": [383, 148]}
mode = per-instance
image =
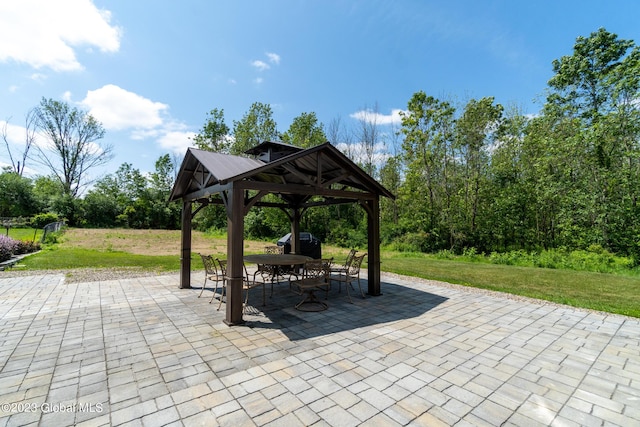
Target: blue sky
{"type": "Point", "coordinates": [151, 70]}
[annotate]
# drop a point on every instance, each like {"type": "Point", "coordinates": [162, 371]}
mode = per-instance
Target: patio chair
{"type": "Point", "coordinates": [223, 272]}
{"type": "Point", "coordinates": [352, 274]}
{"type": "Point", "coordinates": [270, 272]}
{"type": "Point", "coordinates": [314, 277]}
{"type": "Point", "coordinates": [211, 273]}
{"type": "Point", "coordinates": [337, 269]}
{"type": "Point", "coordinates": [274, 249]}
{"type": "Point", "coordinates": [247, 284]}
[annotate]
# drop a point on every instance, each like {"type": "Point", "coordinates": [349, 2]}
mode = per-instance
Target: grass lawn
{"type": "Point", "coordinates": [158, 250]}
{"type": "Point", "coordinates": [30, 234]}
{"type": "Point", "coordinates": [598, 291]}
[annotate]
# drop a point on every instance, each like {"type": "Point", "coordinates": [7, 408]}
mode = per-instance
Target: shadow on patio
{"type": "Point", "coordinates": [397, 302]}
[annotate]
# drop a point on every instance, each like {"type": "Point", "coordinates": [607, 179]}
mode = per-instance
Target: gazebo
{"type": "Point", "coordinates": [300, 178]}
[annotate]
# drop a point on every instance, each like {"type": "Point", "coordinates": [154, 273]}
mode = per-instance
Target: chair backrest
{"type": "Point", "coordinates": [317, 268]}
{"type": "Point", "coordinates": [223, 266]}
{"type": "Point", "coordinates": [350, 256]}
{"type": "Point", "coordinates": [209, 264]}
{"type": "Point", "coordinates": [354, 267]}
{"type": "Point", "coordinates": [274, 249]}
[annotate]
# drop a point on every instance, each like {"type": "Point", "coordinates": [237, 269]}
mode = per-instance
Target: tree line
{"type": "Point", "coordinates": [473, 175]}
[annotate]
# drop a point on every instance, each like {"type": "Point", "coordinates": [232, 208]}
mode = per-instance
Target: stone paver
{"type": "Point", "coordinates": [144, 352]}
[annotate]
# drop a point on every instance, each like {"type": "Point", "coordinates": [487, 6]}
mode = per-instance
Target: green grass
{"type": "Point", "coordinates": [67, 258]}
{"type": "Point", "coordinates": [598, 291]}
{"type": "Point", "coordinates": [23, 233]}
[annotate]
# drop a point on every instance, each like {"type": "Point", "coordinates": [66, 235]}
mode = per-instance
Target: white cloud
{"type": "Point", "coordinates": [274, 58]}
{"type": "Point", "coordinates": [377, 118]}
{"type": "Point", "coordinates": [118, 109]}
{"type": "Point", "coordinates": [38, 77]}
{"type": "Point", "coordinates": [258, 81]}
{"type": "Point", "coordinates": [260, 65]}
{"type": "Point", "coordinates": [47, 33]}
{"type": "Point", "coordinates": [176, 141]}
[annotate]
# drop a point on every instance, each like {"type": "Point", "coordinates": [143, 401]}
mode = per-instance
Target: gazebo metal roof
{"type": "Point", "coordinates": [300, 178]}
{"type": "Point", "coordinates": [315, 171]}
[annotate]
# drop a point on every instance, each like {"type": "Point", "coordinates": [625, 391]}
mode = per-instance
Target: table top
{"type": "Point", "coordinates": [277, 259]}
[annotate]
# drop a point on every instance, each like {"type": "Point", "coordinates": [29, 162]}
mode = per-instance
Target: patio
{"type": "Point", "coordinates": [143, 352]}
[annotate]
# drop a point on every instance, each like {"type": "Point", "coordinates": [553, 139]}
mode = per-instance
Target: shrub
{"type": "Point", "coordinates": [8, 247]}
{"type": "Point", "coordinates": [40, 220]}
{"type": "Point", "coordinates": [414, 242]}
{"type": "Point", "coordinates": [26, 247]}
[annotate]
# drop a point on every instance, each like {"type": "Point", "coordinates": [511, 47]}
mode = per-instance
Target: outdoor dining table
{"type": "Point", "coordinates": [276, 261]}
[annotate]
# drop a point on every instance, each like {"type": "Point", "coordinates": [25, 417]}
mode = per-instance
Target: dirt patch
{"type": "Point", "coordinates": [148, 242]}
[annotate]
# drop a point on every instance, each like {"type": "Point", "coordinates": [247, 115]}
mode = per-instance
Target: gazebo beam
{"type": "Point", "coordinates": [235, 254]}
{"type": "Point", "coordinates": [185, 247]}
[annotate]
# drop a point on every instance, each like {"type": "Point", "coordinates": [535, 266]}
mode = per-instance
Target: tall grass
{"type": "Point", "coordinates": [594, 259]}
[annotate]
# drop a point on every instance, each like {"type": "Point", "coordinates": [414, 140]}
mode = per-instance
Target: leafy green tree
{"type": "Point", "coordinates": [46, 189]}
{"type": "Point", "coordinates": [426, 198]}
{"type": "Point", "coordinates": [598, 87]}
{"type": "Point", "coordinates": [305, 131]}
{"type": "Point", "coordinates": [585, 84]}
{"type": "Point", "coordinates": [255, 127]}
{"type": "Point", "coordinates": [72, 147]}
{"type": "Point", "coordinates": [214, 135]}
{"type": "Point", "coordinates": [16, 196]}
{"type": "Point", "coordinates": [475, 136]}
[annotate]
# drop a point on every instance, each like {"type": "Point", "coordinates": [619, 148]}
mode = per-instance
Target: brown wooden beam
{"type": "Point", "coordinates": [185, 247]}
{"type": "Point", "coordinates": [373, 262]}
{"type": "Point", "coordinates": [303, 190]}
{"type": "Point", "coordinates": [235, 253]}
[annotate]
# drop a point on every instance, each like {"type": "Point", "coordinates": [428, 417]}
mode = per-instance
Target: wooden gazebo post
{"type": "Point", "coordinates": [235, 253]}
{"type": "Point", "coordinates": [185, 246]}
{"type": "Point", "coordinates": [373, 229]}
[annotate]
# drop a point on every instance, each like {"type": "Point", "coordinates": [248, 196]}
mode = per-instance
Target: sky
{"type": "Point", "coordinates": [151, 70]}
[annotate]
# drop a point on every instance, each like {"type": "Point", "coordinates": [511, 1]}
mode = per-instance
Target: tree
{"type": "Point", "coordinates": [428, 127]}
{"type": "Point", "coordinates": [71, 149]}
{"type": "Point", "coordinates": [256, 126]}
{"type": "Point", "coordinates": [30, 122]}
{"type": "Point", "coordinates": [597, 87]}
{"type": "Point", "coordinates": [214, 135]}
{"type": "Point", "coordinates": [475, 132]}
{"type": "Point", "coordinates": [305, 131]}
{"type": "Point", "coordinates": [584, 84]}
{"type": "Point", "coordinates": [16, 196]}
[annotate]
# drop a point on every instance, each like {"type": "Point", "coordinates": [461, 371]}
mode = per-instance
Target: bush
{"type": "Point", "coordinates": [26, 247]}
{"type": "Point", "coordinates": [8, 247]}
{"type": "Point", "coordinates": [40, 220]}
{"type": "Point", "coordinates": [414, 242]}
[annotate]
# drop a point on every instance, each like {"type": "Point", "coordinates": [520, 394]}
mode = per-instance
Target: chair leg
{"type": "Point", "coordinates": [203, 285]}
{"type": "Point", "coordinates": [222, 294]}
{"type": "Point", "coordinates": [214, 293]}
{"type": "Point", "coordinates": [361, 291]}
{"type": "Point", "coordinates": [346, 286]}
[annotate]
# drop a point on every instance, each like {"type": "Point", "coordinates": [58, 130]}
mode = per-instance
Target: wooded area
{"type": "Point", "coordinates": [478, 175]}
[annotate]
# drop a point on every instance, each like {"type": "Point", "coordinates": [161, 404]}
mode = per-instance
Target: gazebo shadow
{"type": "Point", "coordinates": [398, 302]}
